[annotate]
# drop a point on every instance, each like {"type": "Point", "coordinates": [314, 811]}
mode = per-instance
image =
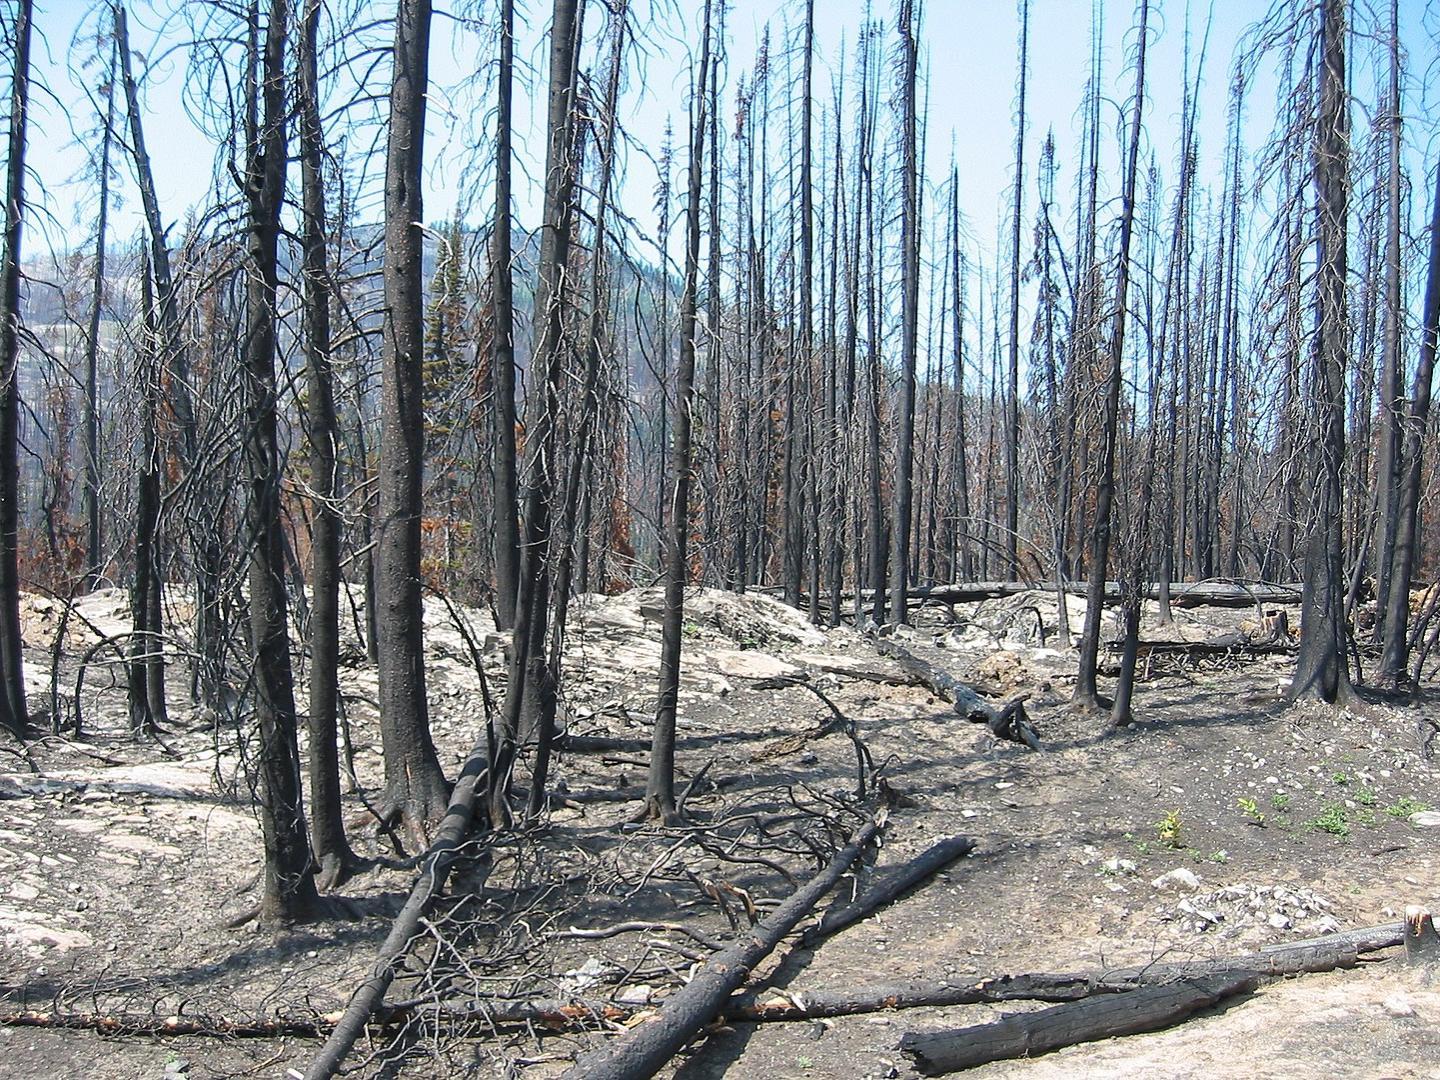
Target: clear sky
{"type": "Point", "coordinates": [970, 55]}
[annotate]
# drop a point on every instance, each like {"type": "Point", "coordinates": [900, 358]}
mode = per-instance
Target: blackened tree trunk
{"type": "Point", "coordinates": [1388, 465]}
{"type": "Point", "coordinates": [13, 713]}
{"type": "Point", "coordinates": [660, 785]}
{"type": "Point", "coordinates": [1085, 690]}
{"type": "Point", "coordinates": [145, 668]}
{"type": "Point", "coordinates": [1320, 669]}
{"type": "Point", "coordinates": [527, 685]}
{"type": "Point", "coordinates": [506, 509]}
{"type": "Point", "coordinates": [289, 884]}
{"type": "Point", "coordinates": [797, 413]}
{"type": "Point", "coordinates": [94, 558]}
{"type": "Point", "coordinates": [1012, 387]}
{"type": "Point", "coordinates": [333, 856]}
{"type": "Point", "coordinates": [1395, 656]}
{"type": "Point", "coordinates": [415, 790]}
{"type": "Point", "coordinates": [581, 454]}
{"type": "Point", "coordinates": [902, 505]}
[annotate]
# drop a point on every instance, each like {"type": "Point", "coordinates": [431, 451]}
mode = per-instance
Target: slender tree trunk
{"type": "Point", "coordinates": [1395, 657]}
{"type": "Point", "coordinates": [13, 712]}
{"type": "Point", "coordinates": [527, 668]}
{"type": "Point", "coordinates": [1085, 690]}
{"type": "Point", "coordinates": [145, 668]}
{"type": "Point", "coordinates": [506, 511]}
{"type": "Point", "coordinates": [571, 550]}
{"type": "Point", "coordinates": [1320, 668]}
{"type": "Point", "coordinates": [910, 316]}
{"type": "Point", "coordinates": [660, 785]}
{"type": "Point", "coordinates": [327, 829]}
{"type": "Point", "coordinates": [1012, 389]}
{"type": "Point", "coordinates": [415, 789]}
{"type": "Point", "coordinates": [1389, 468]}
{"type": "Point", "coordinates": [289, 884]}
{"type": "Point", "coordinates": [94, 556]}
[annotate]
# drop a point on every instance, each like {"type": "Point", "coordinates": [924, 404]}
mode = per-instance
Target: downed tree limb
{"type": "Point", "coordinates": [1182, 594]}
{"type": "Point", "coordinates": [1364, 940]}
{"type": "Point", "coordinates": [643, 1050]}
{"type": "Point", "coordinates": [1026, 1034]}
{"type": "Point", "coordinates": [758, 1006]}
{"type": "Point", "coordinates": [889, 885]}
{"type": "Point", "coordinates": [448, 845]}
{"type": "Point", "coordinates": [1009, 721]}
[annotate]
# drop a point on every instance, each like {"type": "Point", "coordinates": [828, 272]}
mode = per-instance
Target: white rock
{"type": "Point", "coordinates": [1398, 1005]}
{"type": "Point", "coordinates": [635, 995]}
{"type": "Point", "coordinates": [1179, 878]}
{"type": "Point", "coordinates": [1118, 865]}
{"type": "Point", "coordinates": [1426, 819]}
{"type": "Point", "coordinates": [1279, 921]}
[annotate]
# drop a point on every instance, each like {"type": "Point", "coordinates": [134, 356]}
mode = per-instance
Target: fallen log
{"type": "Point", "coordinates": [1009, 721]}
{"type": "Point", "coordinates": [1027, 1034]}
{"type": "Point", "coordinates": [1366, 939]}
{"type": "Point", "coordinates": [599, 744]}
{"type": "Point", "coordinates": [757, 1006]}
{"type": "Point", "coordinates": [1182, 594]}
{"type": "Point", "coordinates": [645, 1049]}
{"type": "Point", "coordinates": [889, 885]}
{"type": "Point", "coordinates": [450, 839]}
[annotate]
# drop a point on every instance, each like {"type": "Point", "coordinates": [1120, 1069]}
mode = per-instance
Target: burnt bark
{"type": "Point", "coordinates": [327, 830]}
{"type": "Point", "coordinates": [415, 791]}
{"type": "Point", "coordinates": [289, 885]}
{"type": "Point", "coordinates": [660, 783]}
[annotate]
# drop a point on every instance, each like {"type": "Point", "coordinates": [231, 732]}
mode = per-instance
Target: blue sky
{"type": "Point", "coordinates": [969, 51]}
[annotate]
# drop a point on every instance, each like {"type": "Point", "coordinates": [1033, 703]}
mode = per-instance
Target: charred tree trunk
{"type": "Point", "coordinates": [660, 785]}
{"type": "Point", "coordinates": [332, 853]}
{"type": "Point", "coordinates": [1320, 669]}
{"type": "Point", "coordinates": [94, 557]}
{"type": "Point", "coordinates": [527, 668]}
{"type": "Point", "coordinates": [415, 790]}
{"type": "Point", "coordinates": [1086, 694]}
{"type": "Point", "coordinates": [506, 509]}
{"type": "Point", "coordinates": [1395, 656]}
{"type": "Point", "coordinates": [1012, 388]}
{"type": "Point", "coordinates": [910, 315]}
{"type": "Point", "coordinates": [13, 712]}
{"type": "Point", "coordinates": [289, 884]}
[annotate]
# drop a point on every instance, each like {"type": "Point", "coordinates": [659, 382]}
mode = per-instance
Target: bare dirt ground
{"type": "Point", "coordinates": [120, 864]}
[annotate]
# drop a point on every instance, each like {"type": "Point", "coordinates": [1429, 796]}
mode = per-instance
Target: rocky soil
{"type": "Point", "coordinates": [1223, 820]}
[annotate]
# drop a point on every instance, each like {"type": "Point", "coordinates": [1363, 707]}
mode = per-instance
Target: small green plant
{"type": "Point", "coordinates": [1331, 820]}
{"type": "Point", "coordinates": [804, 1062]}
{"type": "Point", "coordinates": [1279, 802]}
{"type": "Point", "coordinates": [1365, 796]}
{"type": "Point", "coordinates": [1251, 809]}
{"type": "Point", "coordinates": [1339, 779]}
{"type": "Point", "coordinates": [1365, 817]}
{"type": "Point", "coordinates": [1142, 847]}
{"type": "Point", "coordinates": [1404, 806]}
{"type": "Point", "coordinates": [1167, 829]}
{"type": "Point", "coordinates": [1222, 856]}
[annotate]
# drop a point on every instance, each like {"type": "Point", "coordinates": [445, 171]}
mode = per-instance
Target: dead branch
{"type": "Point", "coordinates": [1024, 1035]}
{"type": "Point", "coordinates": [645, 1049]}
{"type": "Point", "coordinates": [1009, 721]}
{"type": "Point", "coordinates": [450, 839]}
{"type": "Point", "coordinates": [889, 885]}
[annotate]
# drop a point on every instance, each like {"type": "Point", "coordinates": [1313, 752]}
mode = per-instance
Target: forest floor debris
{"type": "Point", "coordinates": [122, 863]}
